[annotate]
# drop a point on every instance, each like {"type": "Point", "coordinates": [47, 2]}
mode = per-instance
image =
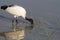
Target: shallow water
{"type": "Point", "coordinates": [46, 14]}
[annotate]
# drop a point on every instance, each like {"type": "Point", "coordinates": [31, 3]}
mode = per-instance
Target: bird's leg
{"type": "Point", "coordinates": [16, 23]}
{"type": "Point", "coordinates": [12, 24]}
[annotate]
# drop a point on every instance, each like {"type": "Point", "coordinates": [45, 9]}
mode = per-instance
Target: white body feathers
{"type": "Point", "coordinates": [17, 11]}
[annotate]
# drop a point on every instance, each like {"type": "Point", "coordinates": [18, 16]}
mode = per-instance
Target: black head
{"type": "Point", "coordinates": [4, 7]}
{"type": "Point", "coordinates": [30, 20]}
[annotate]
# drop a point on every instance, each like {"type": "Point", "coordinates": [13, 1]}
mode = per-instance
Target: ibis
{"type": "Point", "coordinates": [16, 11]}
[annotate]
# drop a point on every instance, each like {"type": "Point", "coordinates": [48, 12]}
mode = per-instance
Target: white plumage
{"type": "Point", "coordinates": [17, 11]}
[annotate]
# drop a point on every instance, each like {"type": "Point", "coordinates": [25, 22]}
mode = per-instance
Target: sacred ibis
{"type": "Point", "coordinates": [16, 11]}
